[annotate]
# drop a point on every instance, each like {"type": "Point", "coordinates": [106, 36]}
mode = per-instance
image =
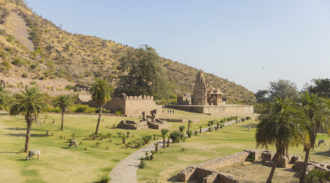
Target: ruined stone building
{"type": "Point", "coordinates": [204, 95]}
{"type": "Point", "coordinates": [206, 99]}
{"type": "Point", "coordinates": [134, 105]}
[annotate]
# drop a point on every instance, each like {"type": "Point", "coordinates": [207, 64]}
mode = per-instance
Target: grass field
{"type": "Point", "coordinates": [58, 163]}
{"type": "Point", "coordinates": [168, 162]}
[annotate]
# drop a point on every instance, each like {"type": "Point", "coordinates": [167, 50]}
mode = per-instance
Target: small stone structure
{"type": "Point", "coordinates": [132, 125]}
{"type": "Point", "coordinates": [147, 122]}
{"type": "Point", "coordinates": [184, 100]}
{"type": "Point", "coordinates": [133, 105]}
{"type": "Point", "coordinates": [299, 166]}
{"type": "Point", "coordinates": [128, 105]}
{"type": "Point", "coordinates": [209, 100]}
{"type": "Point", "coordinates": [206, 172]}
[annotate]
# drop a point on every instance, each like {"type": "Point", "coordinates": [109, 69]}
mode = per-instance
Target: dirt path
{"type": "Point", "coordinates": [125, 170]}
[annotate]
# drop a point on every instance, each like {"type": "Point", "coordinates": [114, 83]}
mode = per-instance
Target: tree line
{"type": "Point", "coordinates": [288, 117]}
{"type": "Point", "coordinates": [30, 103]}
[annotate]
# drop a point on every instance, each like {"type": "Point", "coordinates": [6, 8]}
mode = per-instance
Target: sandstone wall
{"type": "Point", "coordinates": [134, 105]}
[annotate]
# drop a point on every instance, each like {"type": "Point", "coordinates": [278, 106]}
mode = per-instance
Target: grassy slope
{"type": "Point", "coordinates": [81, 58]}
{"type": "Point", "coordinates": [208, 146]}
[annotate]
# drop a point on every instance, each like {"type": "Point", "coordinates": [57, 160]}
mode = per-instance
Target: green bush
{"type": "Point", "coordinates": [53, 109]}
{"type": "Point", "coordinates": [2, 54]}
{"type": "Point", "coordinates": [189, 133]}
{"type": "Point", "coordinates": [242, 119]}
{"type": "Point", "coordinates": [317, 176]}
{"type": "Point", "coordinates": [146, 139]}
{"type": "Point", "coordinates": [82, 109]}
{"type": "Point", "coordinates": [142, 164]}
{"type": "Point", "coordinates": [211, 122]}
{"type": "Point", "coordinates": [5, 66]}
{"type": "Point", "coordinates": [176, 136]}
{"type": "Point", "coordinates": [18, 62]}
{"type": "Point", "coordinates": [24, 75]}
{"type": "Point", "coordinates": [181, 128]}
{"type": "Point", "coordinates": [118, 112]}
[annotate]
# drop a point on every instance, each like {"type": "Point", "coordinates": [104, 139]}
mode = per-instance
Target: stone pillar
{"type": "Point", "coordinates": [143, 115]}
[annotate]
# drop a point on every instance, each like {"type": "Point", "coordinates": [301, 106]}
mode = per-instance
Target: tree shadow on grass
{"type": "Point", "coordinates": [324, 153]}
{"type": "Point", "coordinates": [16, 128]}
{"type": "Point", "coordinates": [21, 159]}
{"type": "Point", "coordinates": [296, 173]}
{"type": "Point", "coordinates": [173, 179]}
{"type": "Point", "coordinates": [9, 152]}
{"type": "Point", "coordinates": [23, 135]}
{"type": "Point", "coordinates": [253, 125]}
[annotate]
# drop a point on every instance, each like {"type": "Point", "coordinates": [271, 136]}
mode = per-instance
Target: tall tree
{"type": "Point", "coordinates": [63, 102]}
{"type": "Point", "coordinates": [315, 116]}
{"type": "Point", "coordinates": [282, 89]}
{"type": "Point", "coordinates": [277, 127]}
{"type": "Point", "coordinates": [142, 74]}
{"type": "Point", "coordinates": [320, 87]}
{"type": "Point", "coordinates": [262, 96]}
{"type": "Point", "coordinates": [28, 103]}
{"type": "Point", "coordinates": [101, 93]}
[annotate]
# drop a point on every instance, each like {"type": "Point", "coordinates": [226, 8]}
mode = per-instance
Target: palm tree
{"type": "Point", "coordinates": [164, 133]}
{"type": "Point", "coordinates": [28, 103]}
{"type": "Point", "coordinates": [277, 127]}
{"type": "Point", "coordinates": [315, 116]}
{"type": "Point", "coordinates": [5, 101]}
{"type": "Point", "coordinates": [101, 94]}
{"type": "Point", "coordinates": [63, 102]}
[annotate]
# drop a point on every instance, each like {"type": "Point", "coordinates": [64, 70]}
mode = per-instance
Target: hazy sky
{"type": "Point", "coordinates": [250, 42]}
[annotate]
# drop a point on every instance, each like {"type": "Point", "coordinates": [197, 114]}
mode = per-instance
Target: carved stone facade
{"type": "Point", "coordinates": [206, 99]}
{"type": "Point", "coordinates": [202, 94]}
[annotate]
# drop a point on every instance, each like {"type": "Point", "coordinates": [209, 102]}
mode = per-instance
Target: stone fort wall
{"type": "Point", "coordinates": [134, 105]}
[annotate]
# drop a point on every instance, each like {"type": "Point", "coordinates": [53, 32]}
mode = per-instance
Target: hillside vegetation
{"type": "Point", "coordinates": [34, 48]}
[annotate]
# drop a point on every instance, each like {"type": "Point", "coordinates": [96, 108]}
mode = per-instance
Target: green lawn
{"type": "Point", "coordinates": [168, 162]}
{"type": "Point", "coordinates": [89, 162]}
{"type": "Point", "coordinates": [58, 163]}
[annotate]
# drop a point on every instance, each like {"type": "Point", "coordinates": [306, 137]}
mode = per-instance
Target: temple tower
{"type": "Point", "coordinates": [200, 91]}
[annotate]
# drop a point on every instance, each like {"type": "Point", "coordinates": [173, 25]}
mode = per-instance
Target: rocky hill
{"type": "Point", "coordinates": [33, 48]}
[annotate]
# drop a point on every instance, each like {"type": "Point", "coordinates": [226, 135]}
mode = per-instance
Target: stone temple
{"type": "Point", "coordinates": [203, 95]}
{"type": "Point", "coordinates": [209, 100]}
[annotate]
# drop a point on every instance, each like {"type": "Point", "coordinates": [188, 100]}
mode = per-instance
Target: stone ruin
{"type": "Point", "coordinates": [203, 94]}
{"type": "Point", "coordinates": [205, 172]}
{"type": "Point", "coordinates": [151, 121]}
{"type": "Point", "coordinates": [132, 125]}
{"type": "Point", "coordinates": [208, 100]}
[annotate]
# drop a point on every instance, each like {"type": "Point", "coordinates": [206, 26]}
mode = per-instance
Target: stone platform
{"type": "Point", "coordinates": [227, 109]}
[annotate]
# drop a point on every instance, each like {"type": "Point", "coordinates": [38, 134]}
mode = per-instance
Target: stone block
{"type": "Point", "coordinates": [266, 156]}
{"type": "Point", "coordinates": [210, 178]}
{"type": "Point", "coordinates": [283, 162]}
{"type": "Point", "coordinates": [225, 178]}
{"type": "Point", "coordinates": [294, 159]}
{"type": "Point", "coordinates": [184, 175]}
